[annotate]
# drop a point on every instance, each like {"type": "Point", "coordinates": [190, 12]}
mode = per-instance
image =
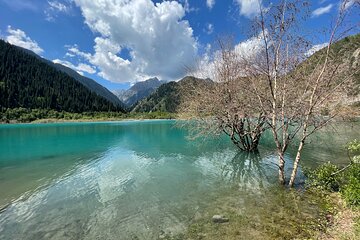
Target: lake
{"type": "Point", "coordinates": [131, 179]}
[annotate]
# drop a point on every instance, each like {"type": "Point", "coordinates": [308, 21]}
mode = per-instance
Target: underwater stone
{"type": "Point", "coordinates": [219, 219]}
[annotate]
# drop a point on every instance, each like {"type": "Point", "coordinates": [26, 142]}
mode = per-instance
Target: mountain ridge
{"type": "Point", "coordinates": [30, 82]}
{"type": "Point", "coordinates": [168, 96]}
{"type": "Point", "coordinates": [87, 82]}
{"type": "Point", "coordinates": [347, 50]}
{"type": "Point", "coordinates": [138, 91]}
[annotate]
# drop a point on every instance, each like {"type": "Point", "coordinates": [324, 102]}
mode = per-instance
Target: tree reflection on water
{"type": "Point", "coordinates": [249, 170]}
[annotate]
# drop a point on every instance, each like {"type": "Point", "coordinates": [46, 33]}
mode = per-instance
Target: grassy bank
{"type": "Point", "coordinates": [345, 223]}
{"type": "Point", "coordinates": [23, 115]}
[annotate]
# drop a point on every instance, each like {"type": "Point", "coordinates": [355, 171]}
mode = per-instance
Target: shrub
{"type": "Point", "coordinates": [346, 180]}
{"type": "Point", "coordinates": [324, 178]}
{"type": "Point", "coordinates": [351, 190]}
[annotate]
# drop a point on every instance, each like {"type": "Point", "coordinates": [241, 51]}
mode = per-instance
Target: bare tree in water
{"type": "Point", "coordinates": [277, 88]}
{"type": "Point", "coordinates": [293, 92]}
{"type": "Point", "coordinates": [223, 105]}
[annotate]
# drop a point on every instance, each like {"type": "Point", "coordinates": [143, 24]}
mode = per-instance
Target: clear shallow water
{"type": "Point", "coordinates": [127, 180]}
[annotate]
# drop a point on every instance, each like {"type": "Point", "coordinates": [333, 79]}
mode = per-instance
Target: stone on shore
{"type": "Point", "coordinates": [219, 219]}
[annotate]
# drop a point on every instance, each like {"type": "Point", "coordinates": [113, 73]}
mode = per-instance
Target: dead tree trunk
{"type": "Point", "coordinates": [245, 138]}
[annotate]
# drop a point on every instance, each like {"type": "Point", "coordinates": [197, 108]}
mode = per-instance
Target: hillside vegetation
{"type": "Point", "coordinates": [347, 52]}
{"type": "Point", "coordinates": [90, 84]}
{"type": "Point", "coordinates": [28, 82]}
{"type": "Point", "coordinates": [168, 96]}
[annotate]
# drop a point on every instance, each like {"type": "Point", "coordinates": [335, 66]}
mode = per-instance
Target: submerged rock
{"type": "Point", "coordinates": [219, 219]}
{"type": "Point", "coordinates": [329, 218]}
{"type": "Point", "coordinates": [162, 234]}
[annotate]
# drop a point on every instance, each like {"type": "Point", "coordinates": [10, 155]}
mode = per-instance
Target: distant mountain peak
{"type": "Point", "coordinates": [166, 98]}
{"type": "Point", "coordinates": [138, 91]}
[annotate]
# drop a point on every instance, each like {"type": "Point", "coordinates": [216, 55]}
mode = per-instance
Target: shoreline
{"type": "Point", "coordinates": [24, 115]}
{"type": "Point", "coordinates": [85, 120]}
{"type": "Point", "coordinates": [54, 120]}
{"type": "Point", "coordinates": [45, 121]}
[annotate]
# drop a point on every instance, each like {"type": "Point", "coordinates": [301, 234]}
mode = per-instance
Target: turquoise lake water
{"type": "Point", "coordinates": [129, 180]}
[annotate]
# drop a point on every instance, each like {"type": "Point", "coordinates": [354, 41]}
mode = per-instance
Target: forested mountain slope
{"type": "Point", "coordinates": [87, 82]}
{"type": "Point", "coordinates": [26, 81]}
{"type": "Point", "coordinates": [90, 84]}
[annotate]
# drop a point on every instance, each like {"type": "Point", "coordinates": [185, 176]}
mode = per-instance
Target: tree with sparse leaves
{"type": "Point", "coordinates": [279, 87]}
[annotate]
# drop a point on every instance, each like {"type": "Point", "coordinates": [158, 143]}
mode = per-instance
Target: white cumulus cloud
{"type": "Point", "coordinates": [19, 38]}
{"type": "Point", "coordinates": [80, 68]}
{"type": "Point", "coordinates": [187, 7]}
{"type": "Point", "coordinates": [74, 51]}
{"type": "Point", "coordinates": [138, 39]}
{"type": "Point", "coordinates": [55, 7]}
{"type": "Point", "coordinates": [209, 28]}
{"type": "Point", "coordinates": [322, 10]}
{"type": "Point", "coordinates": [248, 50]}
{"type": "Point", "coordinates": [249, 8]}
{"type": "Point", "coordinates": [18, 5]}
{"type": "Point", "coordinates": [315, 48]}
{"type": "Point", "coordinates": [206, 64]}
{"type": "Point", "coordinates": [58, 6]}
{"type": "Point", "coordinates": [251, 47]}
{"type": "Point", "coordinates": [210, 3]}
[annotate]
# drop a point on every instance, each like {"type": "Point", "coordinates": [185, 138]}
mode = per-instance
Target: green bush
{"type": "Point", "coordinates": [354, 151]}
{"type": "Point", "coordinates": [351, 189]}
{"type": "Point", "coordinates": [323, 177]}
{"type": "Point", "coordinates": [346, 180]}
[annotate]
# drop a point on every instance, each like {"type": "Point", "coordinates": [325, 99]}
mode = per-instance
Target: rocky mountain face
{"type": "Point", "coordinates": [168, 96]}
{"type": "Point", "coordinates": [138, 91]}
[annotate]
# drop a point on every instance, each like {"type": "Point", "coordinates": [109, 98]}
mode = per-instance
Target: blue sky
{"type": "Point", "coordinates": [120, 42]}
